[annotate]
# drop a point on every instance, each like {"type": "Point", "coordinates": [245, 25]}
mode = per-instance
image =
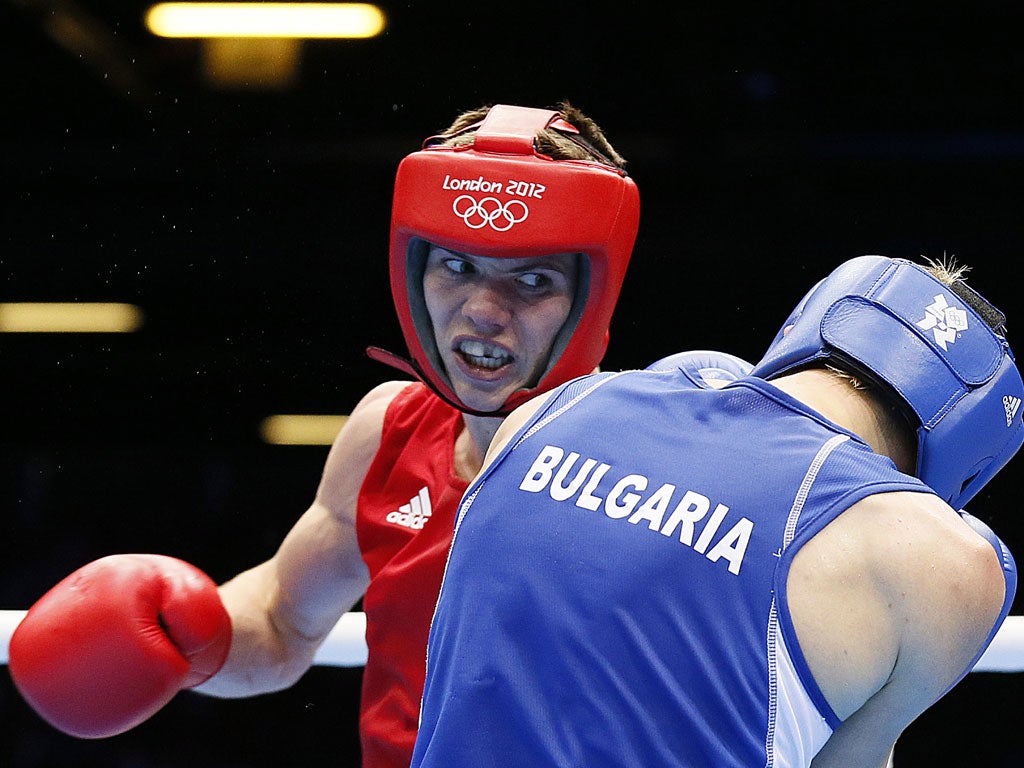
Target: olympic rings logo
{"type": "Point", "coordinates": [490, 211]}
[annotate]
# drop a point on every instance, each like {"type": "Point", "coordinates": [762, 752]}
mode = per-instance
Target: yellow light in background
{"type": "Point", "coordinates": [301, 20]}
{"type": "Point", "coordinates": [301, 429]}
{"type": "Point", "coordinates": [251, 63]}
{"type": "Point", "coordinates": [69, 317]}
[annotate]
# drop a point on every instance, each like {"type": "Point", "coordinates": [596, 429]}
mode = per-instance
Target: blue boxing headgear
{"type": "Point", "coordinates": [891, 321]}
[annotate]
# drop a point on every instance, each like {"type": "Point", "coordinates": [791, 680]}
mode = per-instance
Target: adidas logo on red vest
{"type": "Point", "coordinates": [415, 513]}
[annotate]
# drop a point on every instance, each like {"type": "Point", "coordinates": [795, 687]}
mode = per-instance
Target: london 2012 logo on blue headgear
{"type": "Point", "coordinates": [894, 322]}
{"type": "Point", "coordinates": [944, 321]}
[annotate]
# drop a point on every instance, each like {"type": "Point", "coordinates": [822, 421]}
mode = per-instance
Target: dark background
{"type": "Point", "coordinates": [769, 142]}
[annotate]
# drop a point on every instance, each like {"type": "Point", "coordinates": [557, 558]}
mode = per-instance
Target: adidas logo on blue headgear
{"type": "Point", "coordinates": [892, 321]}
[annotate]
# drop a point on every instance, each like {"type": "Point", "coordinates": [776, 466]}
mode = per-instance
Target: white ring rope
{"type": "Point", "coordinates": [345, 646]}
{"type": "Point", "coordinates": [1006, 653]}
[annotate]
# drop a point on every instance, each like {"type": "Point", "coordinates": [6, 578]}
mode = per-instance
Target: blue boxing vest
{"type": "Point", "coordinates": [615, 591]}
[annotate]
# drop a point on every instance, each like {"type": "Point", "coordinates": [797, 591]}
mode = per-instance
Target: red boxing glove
{"type": "Point", "coordinates": [115, 641]}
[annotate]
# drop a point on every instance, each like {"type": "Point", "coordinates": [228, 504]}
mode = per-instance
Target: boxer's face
{"type": "Point", "coordinates": [495, 319]}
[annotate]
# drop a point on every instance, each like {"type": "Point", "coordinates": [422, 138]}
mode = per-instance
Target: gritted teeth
{"type": "Point", "coordinates": [482, 354]}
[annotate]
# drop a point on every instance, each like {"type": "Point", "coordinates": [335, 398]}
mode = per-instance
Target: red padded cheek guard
{"type": "Point", "coordinates": [571, 207]}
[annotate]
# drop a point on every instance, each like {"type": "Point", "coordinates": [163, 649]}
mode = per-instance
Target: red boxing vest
{"type": "Point", "coordinates": [405, 517]}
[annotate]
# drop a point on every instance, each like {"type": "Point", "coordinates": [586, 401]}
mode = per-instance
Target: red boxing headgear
{"type": "Point", "coordinates": [499, 197]}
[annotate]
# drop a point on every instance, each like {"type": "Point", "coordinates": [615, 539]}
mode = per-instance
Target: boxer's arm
{"type": "Point", "coordinates": [946, 591]}
{"type": "Point", "coordinates": [282, 609]}
{"type": "Point", "coordinates": [112, 643]}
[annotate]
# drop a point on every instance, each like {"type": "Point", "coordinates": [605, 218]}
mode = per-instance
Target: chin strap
{"type": "Point", "coordinates": [408, 367]}
{"type": "Point", "coordinates": [413, 369]}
